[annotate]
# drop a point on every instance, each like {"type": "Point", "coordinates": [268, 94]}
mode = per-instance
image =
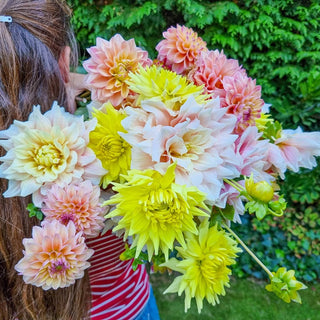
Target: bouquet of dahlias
{"type": "Point", "coordinates": [185, 144]}
{"type": "Point", "coordinates": [189, 146]}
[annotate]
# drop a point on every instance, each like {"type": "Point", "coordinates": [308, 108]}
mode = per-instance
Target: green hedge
{"type": "Point", "coordinates": [278, 42]}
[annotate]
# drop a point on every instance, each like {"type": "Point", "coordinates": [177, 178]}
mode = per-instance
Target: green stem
{"type": "Point", "coordinates": [235, 185]}
{"type": "Point", "coordinates": [250, 252]}
{"type": "Point", "coordinates": [239, 187]}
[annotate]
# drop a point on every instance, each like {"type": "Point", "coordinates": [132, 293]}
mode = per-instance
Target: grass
{"type": "Point", "coordinates": [245, 300]}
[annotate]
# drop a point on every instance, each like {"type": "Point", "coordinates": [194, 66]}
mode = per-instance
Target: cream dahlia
{"type": "Point", "coordinates": [77, 202]}
{"type": "Point", "coordinates": [109, 66]}
{"type": "Point", "coordinates": [251, 151]}
{"type": "Point", "coordinates": [47, 149]}
{"type": "Point", "coordinates": [230, 196]}
{"type": "Point", "coordinates": [55, 256]}
{"type": "Point", "coordinates": [180, 48]}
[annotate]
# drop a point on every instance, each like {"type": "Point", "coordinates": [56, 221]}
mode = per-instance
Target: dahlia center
{"type": "Point", "coordinates": [66, 217]}
{"type": "Point", "coordinates": [121, 70]}
{"type": "Point", "coordinates": [163, 207]}
{"type": "Point", "coordinates": [58, 266]}
{"type": "Point", "coordinates": [47, 156]}
{"type": "Point", "coordinates": [194, 143]}
{"type": "Point", "coordinates": [209, 266]}
{"type": "Point", "coordinates": [112, 147]}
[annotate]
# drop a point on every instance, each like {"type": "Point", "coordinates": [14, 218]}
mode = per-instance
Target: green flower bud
{"type": "Point", "coordinates": [285, 285]}
{"type": "Point", "coordinates": [278, 206]}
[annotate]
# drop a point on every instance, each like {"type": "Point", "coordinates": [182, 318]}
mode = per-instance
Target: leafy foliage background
{"type": "Point", "coordinates": [278, 42]}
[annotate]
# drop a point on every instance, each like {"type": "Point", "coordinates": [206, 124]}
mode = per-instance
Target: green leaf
{"type": "Point", "coordinates": [292, 245]}
{"type": "Point", "coordinates": [130, 253]}
{"type": "Point", "coordinates": [219, 215]}
{"type": "Point", "coordinates": [82, 111]}
{"type": "Point", "coordinates": [272, 131]}
{"type": "Point", "coordinates": [34, 211]}
{"type": "Point", "coordinates": [260, 209]}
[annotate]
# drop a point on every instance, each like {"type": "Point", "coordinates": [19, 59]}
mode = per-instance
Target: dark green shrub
{"type": "Point", "coordinates": [276, 41]}
{"type": "Point", "coordinates": [292, 241]}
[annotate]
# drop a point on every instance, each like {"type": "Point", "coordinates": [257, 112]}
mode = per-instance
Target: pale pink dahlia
{"type": "Point", "coordinates": [180, 48]}
{"type": "Point", "coordinates": [198, 138]}
{"type": "Point", "coordinates": [45, 150]}
{"type": "Point", "coordinates": [211, 67]}
{"type": "Point", "coordinates": [109, 66]}
{"type": "Point", "coordinates": [54, 257]}
{"type": "Point", "coordinates": [243, 99]}
{"type": "Point", "coordinates": [295, 149]}
{"type": "Point", "coordinates": [77, 202]}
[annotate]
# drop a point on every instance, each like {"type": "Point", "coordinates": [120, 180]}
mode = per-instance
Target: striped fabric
{"type": "Point", "coordinates": [118, 292]}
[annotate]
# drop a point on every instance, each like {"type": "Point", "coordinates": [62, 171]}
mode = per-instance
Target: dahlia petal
{"type": "Point", "coordinates": [28, 187]}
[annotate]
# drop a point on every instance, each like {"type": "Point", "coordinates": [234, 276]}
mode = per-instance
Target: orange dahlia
{"type": "Point", "coordinates": [54, 257]}
{"type": "Point", "coordinates": [243, 99]}
{"type": "Point", "coordinates": [180, 48]}
{"type": "Point", "coordinates": [77, 202]}
{"type": "Point", "coordinates": [109, 66]}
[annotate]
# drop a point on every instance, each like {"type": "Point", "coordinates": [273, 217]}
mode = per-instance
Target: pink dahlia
{"type": "Point", "coordinates": [295, 149]}
{"type": "Point", "coordinates": [77, 202]}
{"type": "Point", "coordinates": [54, 257]}
{"type": "Point", "coordinates": [243, 99]}
{"type": "Point", "coordinates": [180, 48]}
{"type": "Point", "coordinates": [211, 67]}
{"type": "Point", "coordinates": [109, 66]}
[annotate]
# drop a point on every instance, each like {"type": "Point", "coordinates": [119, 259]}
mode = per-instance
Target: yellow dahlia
{"type": "Point", "coordinates": [55, 256]}
{"type": "Point", "coordinates": [262, 122]}
{"type": "Point", "coordinates": [156, 211]}
{"type": "Point", "coordinates": [109, 147]}
{"type": "Point", "coordinates": [204, 265]}
{"type": "Point", "coordinates": [164, 85]}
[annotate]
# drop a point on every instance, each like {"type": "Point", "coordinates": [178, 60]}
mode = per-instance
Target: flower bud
{"type": "Point", "coordinates": [260, 191]}
{"type": "Point", "coordinates": [285, 285]}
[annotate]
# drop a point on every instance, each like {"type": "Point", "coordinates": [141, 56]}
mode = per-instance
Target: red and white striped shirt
{"type": "Point", "coordinates": [118, 292]}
